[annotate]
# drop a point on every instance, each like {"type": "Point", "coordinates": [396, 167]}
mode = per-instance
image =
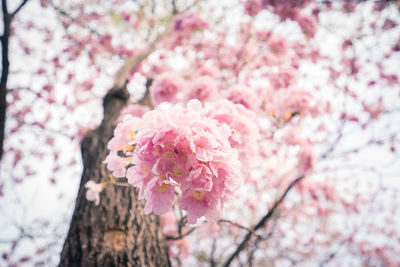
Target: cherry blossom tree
{"type": "Point", "coordinates": [219, 133]}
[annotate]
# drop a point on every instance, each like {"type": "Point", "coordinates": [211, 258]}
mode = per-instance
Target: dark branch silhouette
{"type": "Point", "coordinates": [7, 19]}
{"type": "Point", "coordinates": [19, 8]}
{"type": "Point", "coordinates": [262, 222]}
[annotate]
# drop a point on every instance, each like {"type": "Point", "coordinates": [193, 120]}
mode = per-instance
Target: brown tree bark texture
{"type": "Point", "coordinates": [116, 232]}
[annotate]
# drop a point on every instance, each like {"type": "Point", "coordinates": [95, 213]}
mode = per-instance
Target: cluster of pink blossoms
{"type": "Point", "coordinates": [166, 87]}
{"type": "Point", "coordinates": [193, 151]}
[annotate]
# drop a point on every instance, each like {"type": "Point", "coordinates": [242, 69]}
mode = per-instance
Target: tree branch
{"type": "Point", "coordinates": [19, 8]}
{"type": "Point", "coordinates": [174, 10]}
{"type": "Point", "coordinates": [262, 222]}
{"type": "Point", "coordinates": [169, 237]}
{"type": "Point", "coordinates": [134, 61]}
{"type": "Point", "coordinates": [236, 224]}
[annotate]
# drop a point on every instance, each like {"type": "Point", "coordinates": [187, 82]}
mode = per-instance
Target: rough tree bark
{"type": "Point", "coordinates": [116, 232]}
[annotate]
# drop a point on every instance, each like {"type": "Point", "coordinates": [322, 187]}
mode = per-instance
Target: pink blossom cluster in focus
{"type": "Point", "coordinates": [244, 131]}
{"type": "Point", "coordinates": [194, 151]}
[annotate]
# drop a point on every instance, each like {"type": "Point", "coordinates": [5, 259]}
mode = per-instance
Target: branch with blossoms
{"type": "Point", "coordinates": [265, 219]}
{"type": "Point", "coordinates": [133, 62]}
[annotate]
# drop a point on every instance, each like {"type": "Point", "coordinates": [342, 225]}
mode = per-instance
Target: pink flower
{"type": "Point", "coordinates": [121, 146]}
{"type": "Point", "coordinates": [190, 22]}
{"type": "Point", "coordinates": [242, 123]}
{"type": "Point", "coordinates": [169, 223]}
{"type": "Point", "coordinates": [203, 89]}
{"type": "Point", "coordinates": [277, 45]}
{"type": "Point", "coordinates": [284, 104]}
{"type": "Point", "coordinates": [135, 110]}
{"type": "Point", "coordinates": [187, 148]}
{"type": "Point", "coordinates": [306, 158]}
{"type": "Point", "coordinates": [308, 24]}
{"type": "Point", "coordinates": [194, 149]}
{"type": "Point", "coordinates": [253, 7]}
{"type": "Point", "coordinates": [349, 7]}
{"type": "Point", "coordinates": [44, 3]}
{"type": "Point", "coordinates": [198, 203]}
{"type": "Point", "coordinates": [287, 9]}
{"type": "Point", "coordinates": [159, 195]}
{"type": "Point", "coordinates": [388, 24]}
{"type": "Point", "coordinates": [210, 71]}
{"type": "Point", "coordinates": [292, 136]}
{"type": "Point", "coordinates": [116, 164]}
{"type": "Point", "coordinates": [283, 79]}
{"type": "Point", "coordinates": [166, 88]}
{"type": "Point", "coordinates": [241, 94]}
{"type": "Point", "coordinates": [182, 250]}
{"type": "Point", "coordinates": [93, 192]}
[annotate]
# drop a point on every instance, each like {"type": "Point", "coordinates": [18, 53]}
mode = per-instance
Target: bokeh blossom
{"type": "Point", "coordinates": [203, 89]}
{"type": "Point", "coordinates": [166, 88]}
{"type": "Point", "coordinates": [93, 191]}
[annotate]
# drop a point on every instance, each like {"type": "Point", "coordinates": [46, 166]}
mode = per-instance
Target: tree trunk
{"type": "Point", "coordinates": [116, 232]}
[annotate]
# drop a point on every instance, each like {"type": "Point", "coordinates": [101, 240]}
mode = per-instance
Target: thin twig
{"type": "Point", "coordinates": [262, 222]}
{"type": "Point", "coordinates": [19, 8]}
{"type": "Point", "coordinates": [236, 224]}
{"type": "Point", "coordinates": [64, 13]}
{"type": "Point", "coordinates": [169, 237]}
{"type": "Point", "coordinates": [213, 249]}
{"type": "Point", "coordinates": [122, 184]}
